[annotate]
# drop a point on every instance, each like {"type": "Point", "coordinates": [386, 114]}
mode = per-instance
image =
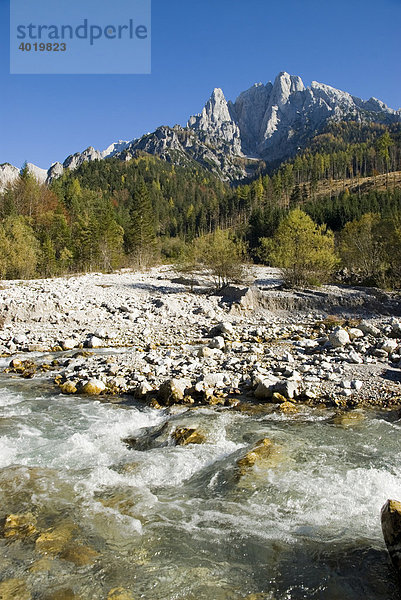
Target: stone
{"type": "Point", "coordinates": [369, 329]}
{"type": "Point", "coordinates": [185, 435]}
{"type": "Point", "coordinates": [355, 358]}
{"type": "Point", "coordinates": [356, 384]}
{"type": "Point", "coordinates": [19, 526]}
{"type": "Point", "coordinates": [390, 346]}
{"type": "Point", "coordinates": [339, 337]}
{"type": "Point", "coordinates": [173, 391]}
{"type": "Point", "coordinates": [93, 387]}
{"type": "Point", "coordinates": [248, 298]}
{"type": "Point", "coordinates": [265, 454]}
{"type": "Point", "coordinates": [143, 388]}
{"type": "Point", "coordinates": [224, 329]}
{"type": "Point", "coordinates": [266, 388]}
{"type": "Point", "coordinates": [67, 344]}
{"type": "Point", "coordinates": [217, 343]}
{"type": "Point", "coordinates": [289, 389]}
{"type": "Point", "coordinates": [95, 342]}
{"type": "Point", "coordinates": [206, 352]}
{"type": "Point", "coordinates": [68, 387]}
{"type": "Point", "coordinates": [391, 527]}
{"type": "Point", "coordinates": [14, 589]}
{"type": "Point", "coordinates": [355, 333]}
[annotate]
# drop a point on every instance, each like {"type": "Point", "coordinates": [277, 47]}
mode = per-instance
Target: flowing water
{"type": "Point", "coordinates": [178, 522]}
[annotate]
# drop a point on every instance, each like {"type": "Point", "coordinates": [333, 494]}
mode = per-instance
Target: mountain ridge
{"type": "Point", "coordinates": [265, 124]}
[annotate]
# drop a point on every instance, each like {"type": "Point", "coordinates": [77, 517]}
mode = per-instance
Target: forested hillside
{"type": "Point", "coordinates": [112, 213]}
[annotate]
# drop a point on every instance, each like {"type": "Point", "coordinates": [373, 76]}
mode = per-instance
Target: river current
{"type": "Point", "coordinates": [166, 522]}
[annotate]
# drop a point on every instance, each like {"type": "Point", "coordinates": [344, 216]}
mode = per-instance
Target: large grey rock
{"type": "Point", "coordinates": [339, 337]}
{"type": "Point", "coordinates": [369, 328]}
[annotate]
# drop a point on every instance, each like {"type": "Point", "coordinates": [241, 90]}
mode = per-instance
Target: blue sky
{"type": "Point", "coordinates": [198, 45]}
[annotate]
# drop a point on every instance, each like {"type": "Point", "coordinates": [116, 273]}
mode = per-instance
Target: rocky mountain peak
{"type": "Point", "coordinates": [284, 86]}
{"type": "Point", "coordinates": [266, 123]}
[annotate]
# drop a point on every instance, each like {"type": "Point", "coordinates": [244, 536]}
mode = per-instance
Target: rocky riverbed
{"type": "Point", "coordinates": [148, 336]}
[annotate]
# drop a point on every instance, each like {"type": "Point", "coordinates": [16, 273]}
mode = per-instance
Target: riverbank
{"type": "Point", "coordinates": [335, 346]}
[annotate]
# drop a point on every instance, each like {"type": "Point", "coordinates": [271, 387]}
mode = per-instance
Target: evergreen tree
{"type": "Point", "coordinates": [140, 232]}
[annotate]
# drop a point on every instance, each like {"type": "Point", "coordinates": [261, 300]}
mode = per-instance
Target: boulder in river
{"type": "Point", "coordinates": [185, 435]}
{"type": "Point", "coordinates": [391, 526]}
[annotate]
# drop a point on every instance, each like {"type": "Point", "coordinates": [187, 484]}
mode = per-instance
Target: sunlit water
{"type": "Point", "coordinates": [177, 522]}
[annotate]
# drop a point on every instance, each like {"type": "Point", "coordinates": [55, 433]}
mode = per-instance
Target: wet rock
{"type": "Point", "coordinates": [53, 541]}
{"type": "Point", "coordinates": [79, 555]}
{"type": "Point", "coordinates": [19, 526]}
{"type": "Point", "coordinates": [339, 337]}
{"type": "Point", "coordinates": [63, 594]}
{"type": "Point", "coordinates": [185, 435]}
{"type": "Point", "coordinates": [265, 455]}
{"type": "Point", "coordinates": [349, 419]}
{"type": "Point", "coordinates": [41, 566]}
{"type": "Point", "coordinates": [93, 387]}
{"type": "Point", "coordinates": [14, 589]}
{"type": "Point", "coordinates": [391, 527]}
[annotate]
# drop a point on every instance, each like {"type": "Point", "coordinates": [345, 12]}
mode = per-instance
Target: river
{"type": "Point", "coordinates": [167, 522]}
